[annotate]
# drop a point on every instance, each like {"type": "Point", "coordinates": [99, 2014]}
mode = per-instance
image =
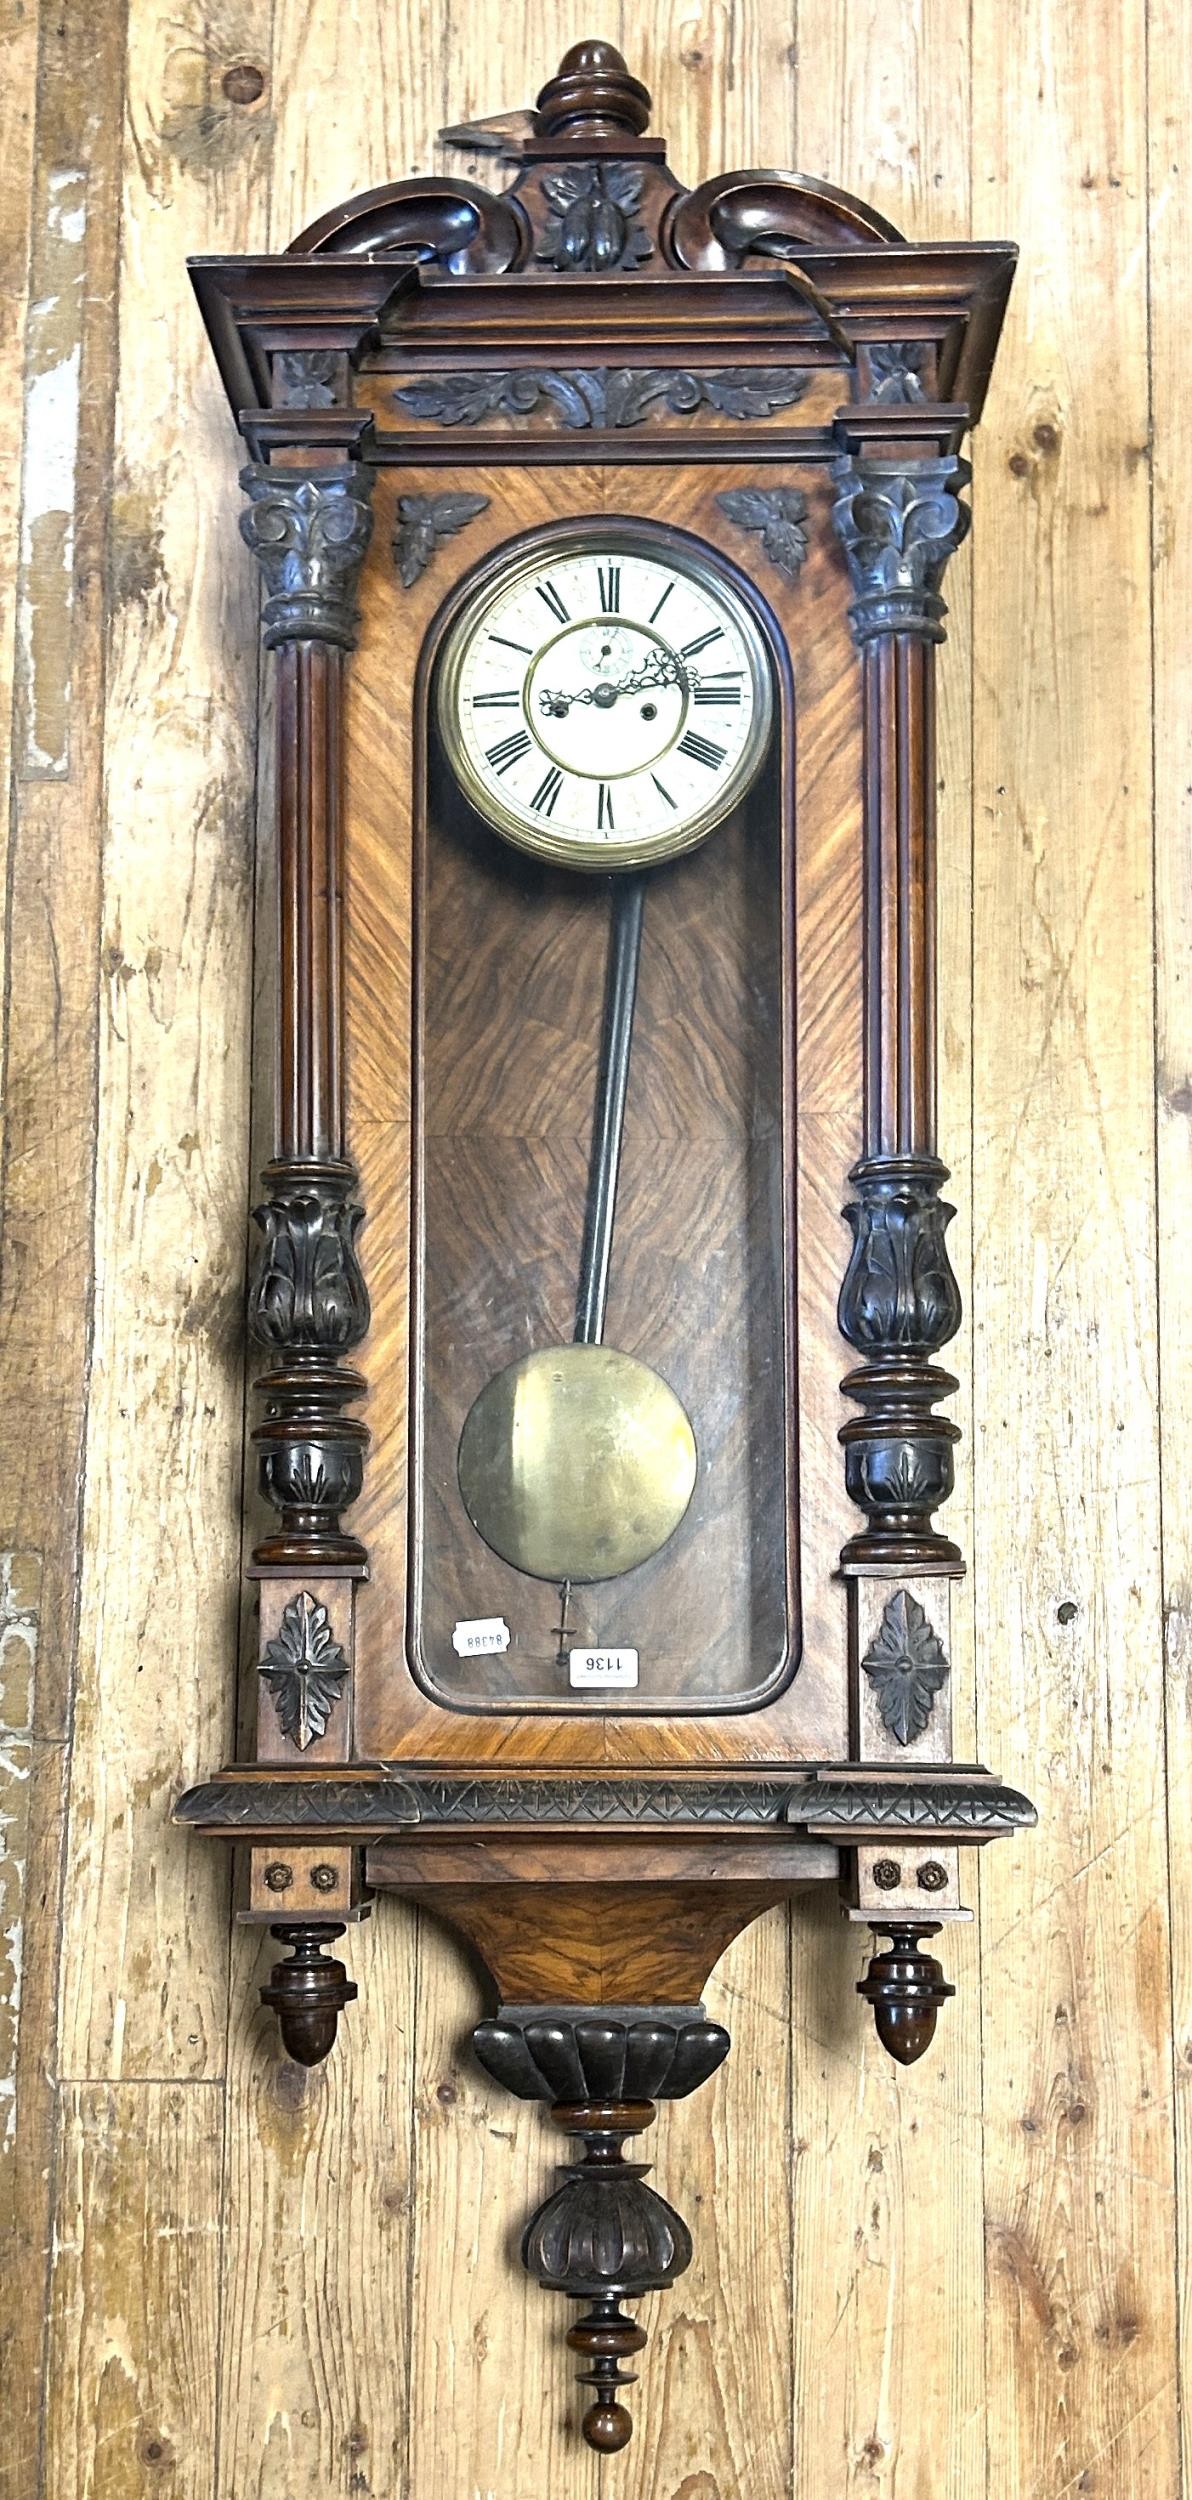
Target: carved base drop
{"type": "Point", "coordinates": [906, 1989]}
{"type": "Point", "coordinates": [307, 1993]}
{"type": "Point", "coordinates": [603, 2236]}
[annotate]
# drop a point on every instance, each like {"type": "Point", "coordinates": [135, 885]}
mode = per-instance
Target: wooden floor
{"type": "Point", "coordinates": [234, 2283]}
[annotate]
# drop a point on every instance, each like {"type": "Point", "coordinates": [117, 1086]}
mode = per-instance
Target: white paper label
{"type": "Point", "coordinates": [487, 1637]}
{"type": "Point", "coordinates": [591, 1667]}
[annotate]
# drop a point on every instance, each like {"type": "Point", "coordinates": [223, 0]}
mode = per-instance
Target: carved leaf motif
{"type": "Point", "coordinates": [906, 1664]}
{"type": "Point", "coordinates": [593, 395]}
{"type": "Point", "coordinates": [459, 399]}
{"type": "Point", "coordinates": [752, 391]}
{"type": "Point", "coordinates": [305, 1670]}
{"type": "Point", "coordinates": [896, 369]}
{"type": "Point", "coordinates": [778, 515]}
{"type": "Point", "coordinates": [594, 226]}
{"type": "Point", "coordinates": [422, 520]}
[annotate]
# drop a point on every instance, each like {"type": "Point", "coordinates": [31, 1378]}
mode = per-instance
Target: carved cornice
{"type": "Point", "coordinates": [967, 1803]}
{"type": "Point", "coordinates": [309, 530]}
{"type": "Point", "coordinates": [898, 524]}
{"type": "Point", "coordinates": [598, 395]}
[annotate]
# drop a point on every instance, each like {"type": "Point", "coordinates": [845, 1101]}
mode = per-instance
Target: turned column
{"type": "Point", "coordinates": [899, 518]}
{"type": "Point", "coordinates": [309, 529]}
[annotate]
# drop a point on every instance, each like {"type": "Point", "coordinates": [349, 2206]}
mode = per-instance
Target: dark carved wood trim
{"type": "Point", "coordinates": [906, 1663]}
{"type": "Point", "coordinates": [595, 395]}
{"type": "Point", "coordinates": [304, 1669]}
{"type": "Point", "coordinates": [778, 516]}
{"type": "Point", "coordinates": [423, 521]}
{"type": "Point", "coordinates": [970, 1803]}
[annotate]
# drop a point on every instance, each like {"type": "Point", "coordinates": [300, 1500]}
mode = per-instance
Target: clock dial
{"type": "Point", "coordinates": [606, 701]}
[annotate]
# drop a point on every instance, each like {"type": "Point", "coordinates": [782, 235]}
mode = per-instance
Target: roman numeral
{"type": "Point", "coordinates": [662, 790]}
{"type": "Point", "coordinates": [716, 694]}
{"type": "Point", "coordinates": [662, 602]}
{"type": "Point", "coordinates": [609, 577]}
{"type": "Point", "coordinates": [715, 633]}
{"type": "Point", "coordinates": [509, 750]}
{"type": "Point", "coordinates": [495, 702]}
{"type": "Point", "coordinates": [547, 591]}
{"type": "Point", "coordinates": [547, 792]}
{"type": "Point", "coordinates": [506, 645]}
{"type": "Point", "coordinates": [701, 750]}
{"type": "Point", "coordinates": [604, 809]}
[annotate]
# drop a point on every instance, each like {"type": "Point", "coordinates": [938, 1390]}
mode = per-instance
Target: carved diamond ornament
{"type": "Point", "coordinates": [906, 1664]}
{"type": "Point", "coordinates": [305, 1670]}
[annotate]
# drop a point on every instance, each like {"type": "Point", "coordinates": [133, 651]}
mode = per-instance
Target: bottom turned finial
{"type": "Point", "coordinates": [906, 1989]}
{"type": "Point", "coordinates": [604, 2337]}
{"type": "Point", "coordinates": [308, 1993]}
{"type": "Point", "coordinates": [603, 2237]}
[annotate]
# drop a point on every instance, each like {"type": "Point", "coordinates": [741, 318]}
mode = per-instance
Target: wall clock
{"type": "Point", "coordinates": [604, 965]}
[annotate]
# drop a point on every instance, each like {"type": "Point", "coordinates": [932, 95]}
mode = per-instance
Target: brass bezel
{"type": "Point", "coordinates": [602, 857]}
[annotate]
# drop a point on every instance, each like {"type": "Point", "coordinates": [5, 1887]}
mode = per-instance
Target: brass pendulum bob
{"type": "Point", "coordinates": [577, 1462]}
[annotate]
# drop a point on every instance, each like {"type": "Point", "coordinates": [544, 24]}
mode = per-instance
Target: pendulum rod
{"type": "Point", "coordinates": [608, 1127]}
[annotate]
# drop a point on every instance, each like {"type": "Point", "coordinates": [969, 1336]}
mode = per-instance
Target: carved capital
{"type": "Point", "coordinates": [309, 530]}
{"type": "Point", "coordinates": [898, 524]}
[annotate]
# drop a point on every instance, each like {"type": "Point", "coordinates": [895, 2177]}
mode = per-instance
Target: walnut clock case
{"type": "Point", "coordinates": [605, 955]}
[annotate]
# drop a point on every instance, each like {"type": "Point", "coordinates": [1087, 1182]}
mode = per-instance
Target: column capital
{"type": "Point", "coordinates": [309, 530]}
{"type": "Point", "coordinates": [899, 520]}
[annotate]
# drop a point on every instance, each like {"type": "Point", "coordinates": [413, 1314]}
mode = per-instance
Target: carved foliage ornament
{"type": "Point", "coordinates": [305, 1670]}
{"type": "Point", "coordinates": [309, 1291]}
{"type": "Point", "coordinates": [594, 225]}
{"type": "Point", "coordinates": [309, 529]}
{"type": "Point", "coordinates": [898, 526]}
{"type": "Point", "coordinates": [779, 516]}
{"type": "Point", "coordinates": [896, 372]}
{"type": "Point", "coordinates": [899, 1295]}
{"type": "Point", "coordinates": [906, 1663]}
{"type": "Point", "coordinates": [599, 396]}
{"type": "Point", "coordinates": [422, 522]}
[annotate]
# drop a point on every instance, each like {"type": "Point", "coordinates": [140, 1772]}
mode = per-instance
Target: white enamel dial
{"type": "Point", "coordinates": [606, 700]}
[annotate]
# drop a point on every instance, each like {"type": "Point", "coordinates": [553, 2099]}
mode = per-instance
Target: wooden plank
{"type": "Point", "coordinates": [1170, 272]}
{"type": "Point", "coordinates": [889, 2360]}
{"type": "Point", "coordinates": [1080, 2216]}
{"type": "Point", "coordinates": [144, 1972]}
{"type": "Point", "coordinates": [130, 2383]}
{"type": "Point", "coordinates": [317, 2318]}
{"type": "Point", "coordinates": [49, 946]}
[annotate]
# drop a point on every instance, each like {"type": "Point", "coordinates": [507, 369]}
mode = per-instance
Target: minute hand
{"type": "Point", "coordinates": [653, 673]}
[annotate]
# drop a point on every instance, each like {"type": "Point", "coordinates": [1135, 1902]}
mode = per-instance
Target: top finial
{"type": "Point", "coordinates": [594, 88]}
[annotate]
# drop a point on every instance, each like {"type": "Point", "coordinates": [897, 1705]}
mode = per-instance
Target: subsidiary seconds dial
{"type": "Point", "coordinates": [606, 701]}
